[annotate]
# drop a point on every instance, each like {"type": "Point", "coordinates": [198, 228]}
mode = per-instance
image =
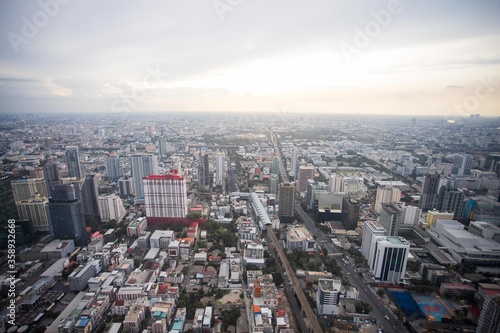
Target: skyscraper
{"type": "Point", "coordinates": [90, 197]}
{"type": "Point", "coordinates": [125, 187]}
{"type": "Point", "coordinates": [391, 217]}
{"type": "Point", "coordinates": [275, 167]}
{"type": "Point", "coordinates": [165, 196]}
{"type": "Point", "coordinates": [386, 194]}
{"type": "Point", "coordinates": [335, 183]}
{"type": "Point", "coordinates": [350, 213]}
{"type": "Point", "coordinates": [206, 167]}
{"type": "Point", "coordinates": [232, 175]}
{"type": "Point", "coordinates": [411, 215]}
{"type": "Point", "coordinates": [201, 173]}
{"type": "Point", "coordinates": [142, 166]}
{"type": "Point", "coordinates": [65, 212]}
{"type": "Point", "coordinates": [305, 173]}
{"type": "Point", "coordinates": [51, 176]}
{"type": "Point", "coordinates": [220, 172]}
{"type": "Point", "coordinates": [452, 200]}
{"type": "Point", "coordinates": [389, 258]}
{"type": "Point", "coordinates": [111, 208]}
{"type": "Point", "coordinates": [294, 163]}
{"type": "Point", "coordinates": [429, 194]}
{"type": "Point", "coordinates": [462, 164]}
{"type": "Point", "coordinates": [273, 184]}
{"type": "Point", "coordinates": [73, 161]}
{"type": "Point", "coordinates": [286, 203]}
{"type": "Point", "coordinates": [370, 231]}
{"type": "Point", "coordinates": [489, 320]}
{"type": "Point", "coordinates": [113, 167]}
{"type": "Point", "coordinates": [162, 146]}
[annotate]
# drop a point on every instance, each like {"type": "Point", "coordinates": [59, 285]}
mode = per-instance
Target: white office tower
{"type": "Point", "coordinates": [386, 194]}
{"type": "Point", "coordinates": [328, 296]}
{"type": "Point", "coordinates": [370, 231]}
{"type": "Point", "coordinates": [165, 196]}
{"type": "Point", "coordinates": [335, 183]}
{"type": "Point", "coordinates": [389, 259]}
{"type": "Point", "coordinates": [220, 171]}
{"type": "Point", "coordinates": [142, 166]}
{"type": "Point", "coordinates": [111, 208]}
{"type": "Point", "coordinates": [411, 215]}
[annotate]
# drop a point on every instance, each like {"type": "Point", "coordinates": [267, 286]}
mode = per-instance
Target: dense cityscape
{"type": "Point", "coordinates": [266, 222]}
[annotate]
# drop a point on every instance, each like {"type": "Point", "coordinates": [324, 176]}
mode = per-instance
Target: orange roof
{"type": "Point", "coordinates": [256, 309]}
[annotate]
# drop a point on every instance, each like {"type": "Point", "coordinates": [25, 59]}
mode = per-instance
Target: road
{"type": "Point", "coordinates": [366, 294]}
{"type": "Point", "coordinates": [306, 307]}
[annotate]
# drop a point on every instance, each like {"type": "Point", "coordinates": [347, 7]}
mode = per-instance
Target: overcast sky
{"type": "Point", "coordinates": [409, 57]}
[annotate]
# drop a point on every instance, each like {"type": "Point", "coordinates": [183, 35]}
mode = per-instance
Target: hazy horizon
{"type": "Point", "coordinates": [384, 57]}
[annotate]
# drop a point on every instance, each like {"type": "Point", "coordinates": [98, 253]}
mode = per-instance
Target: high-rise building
{"type": "Point", "coordinates": [462, 164]}
{"type": "Point", "coordinates": [232, 175]}
{"type": "Point", "coordinates": [370, 231]}
{"type": "Point", "coordinates": [51, 176]}
{"type": "Point", "coordinates": [125, 187]}
{"type": "Point", "coordinates": [350, 213]}
{"type": "Point", "coordinates": [165, 196]}
{"type": "Point", "coordinates": [429, 194]}
{"type": "Point", "coordinates": [391, 217]}
{"type": "Point", "coordinates": [489, 320]}
{"type": "Point", "coordinates": [162, 146]}
{"type": "Point", "coordinates": [411, 215]}
{"type": "Point", "coordinates": [305, 173]}
{"type": "Point", "coordinates": [336, 183]}
{"type": "Point", "coordinates": [386, 194]}
{"type": "Point", "coordinates": [220, 172]}
{"type": "Point", "coordinates": [73, 161]}
{"type": "Point", "coordinates": [65, 212]}
{"type": "Point", "coordinates": [313, 189]}
{"type": "Point", "coordinates": [389, 259]}
{"type": "Point", "coordinates": [294, 163]}
{"type": "Point", "coordinates": [492, 163]}
{"type": "Point", "coordinates": [286, 203]}
{"type": "Point", "coordinates": [111, 208]}
{"type": "Point", "coordinates": [34, 210]}
{"type": "Point", "coordinates": [142, 166]}
{"type": "Point", "coordinates": [113, 167]}
{"type": "Point", "coordinates": [273, 184]}
{"type": "Point", "coordinates": [90, 197]}
{"type": "Point", "coordinates": [328, 296]}
{"type": "Point", "coordinates": [452, 200]}
{"type": "Point", "coordinates": [24, 189]}
{"type": "Point", "coordinates": [201, 173]}
{"type": "Point", "coordinates": [206, 166]}
{"type": "Point", "coordinates": [275, 168]}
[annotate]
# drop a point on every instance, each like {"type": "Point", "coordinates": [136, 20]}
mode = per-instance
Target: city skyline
{"type": "Point", "coordinates": [385, 57]}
